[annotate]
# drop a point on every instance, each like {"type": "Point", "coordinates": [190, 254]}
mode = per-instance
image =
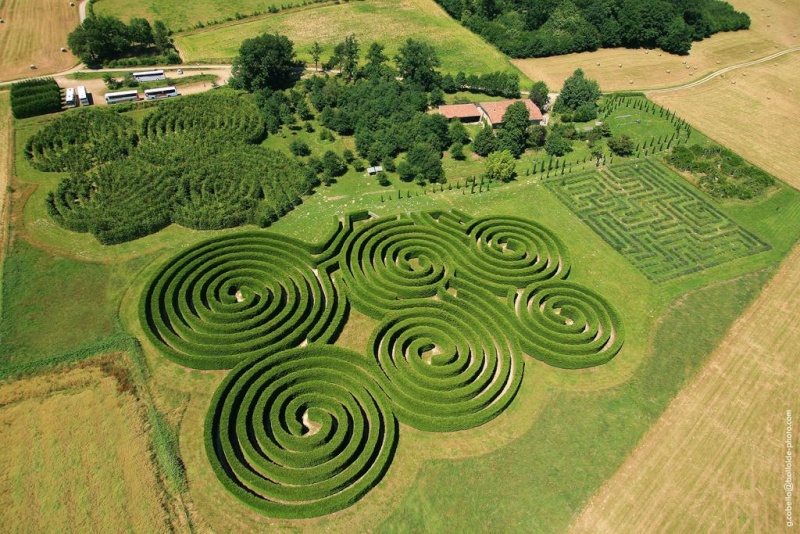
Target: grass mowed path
{"type": "Point", "coordinates": [389, 22]}
{"type": "Point", "coordinates": [714, 460]}
{"type": "Point", "coordinates": [75, 456]}
{"type": "Point", "coordinates": [774, 28]}
{"type": "Point", "coordinates": [33, 33]}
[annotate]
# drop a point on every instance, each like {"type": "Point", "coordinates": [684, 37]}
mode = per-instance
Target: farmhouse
{"type": "Point", "coordinates": [461, 112]}
{"type": "Point", "coordinates": [492, 112]}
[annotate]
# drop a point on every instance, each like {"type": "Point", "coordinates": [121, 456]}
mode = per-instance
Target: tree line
{"type": "Point", "coordinates": [538, 28]}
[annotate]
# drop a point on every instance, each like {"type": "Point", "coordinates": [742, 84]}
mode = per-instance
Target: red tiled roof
{"type": "Point", "coordinates": [496, 110]}
{"type": "Point", "coordinates": [459, 111]}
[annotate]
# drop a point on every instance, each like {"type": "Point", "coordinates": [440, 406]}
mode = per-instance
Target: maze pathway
{"type": "Point", "coordinates": [653, 218]}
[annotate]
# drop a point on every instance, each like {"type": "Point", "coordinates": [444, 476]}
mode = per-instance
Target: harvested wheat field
{"type": "Point", "coordinates": [753, 110]}
{"type": "Point", "coordinates": [75, 456]}
{"type": "Point", "coordinates": [714, 461]}
{"type": "Point", "coordinates": [33, 33]}
{"type": "Point", "coordinates": [775, 26]}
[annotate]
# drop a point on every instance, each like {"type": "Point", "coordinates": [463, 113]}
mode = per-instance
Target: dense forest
{"type": "Point", "coordinates": [538, 28]}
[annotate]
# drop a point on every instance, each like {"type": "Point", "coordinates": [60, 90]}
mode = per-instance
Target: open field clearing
{"type": "Point", "coordinates": [76, 457]}
{"type": "Point", "coordinates": [388, 22]}
{"type": "Point", "coordinates": [182, 15]}
{"type": "Point", "coordinates": [775, 26]}
{"type": "Point", "coordinates": [33, 33]}
{"type": "Point", "coordinates": [753, 111]}
{"type": "Point", "coordinates": [714, 461]}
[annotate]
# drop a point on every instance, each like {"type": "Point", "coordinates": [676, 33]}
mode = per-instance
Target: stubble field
{"type": "Point", "coordinates": [33, 33]}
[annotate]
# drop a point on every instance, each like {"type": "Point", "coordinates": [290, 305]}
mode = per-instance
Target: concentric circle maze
{"type": "Point", "coordinates": [300, 428]}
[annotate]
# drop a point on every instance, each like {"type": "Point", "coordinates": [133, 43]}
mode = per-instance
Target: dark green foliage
{"type": "Point", "coordinates": [497, 83]}
{"type": "Point", "coordinates": [557, 145]}
{"type": "Point", "coordinates": [457, 151]}
{"type": "Point", "coordinates": [457, 132]}
{"type": "Point", "coordinates": [417, 62]}
{"type": "Point", "coordinates": [265, 62]}
{"type": "Point", "coordinates": [539, 94]}
{"type": "Point", "coordinates": [345, 57]}
{"type": "Point", "coordinates": [101, 40]}
{"type": "Point", "coordinates": [512, 135]}
{"type": "Point", "coordinates": [535, 28]}
{"type": "Point", "coordinates": [299, 148]}
{"type": "Point", "coordinates": [80, 140]}
{"type": "Point", "coordinates": [723, 174]}
{"type": "Point", "coordinates": [192, 166]}
{"type": "Point", "coordinates": [425, 162]}
{"type": "Point", "coordinates": [30, 98]}
{"type": "Point", "coordinates": [577, 91]}
{"type": "Point", "coordinates": [485, 142]}
{"type": "Point", "coordinates": [621, 145]}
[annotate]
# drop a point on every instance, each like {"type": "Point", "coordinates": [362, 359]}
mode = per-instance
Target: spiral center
{"type": "Point", "coordinates": [311, 426]}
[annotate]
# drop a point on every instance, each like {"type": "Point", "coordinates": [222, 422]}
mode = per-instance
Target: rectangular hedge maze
{"type": "Point", "coordinates": [660, 223]}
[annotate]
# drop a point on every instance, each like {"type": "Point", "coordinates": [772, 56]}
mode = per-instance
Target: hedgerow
{"type": "Point", "coordinates": [301, 429]}
{"type": "Point", "coordinates": [35, 97]}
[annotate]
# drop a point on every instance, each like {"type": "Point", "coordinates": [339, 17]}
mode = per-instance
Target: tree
{"type": "Point", "coordinates": [577, 90]}
{"type": "Point", "coordinates": [345, 56]}
{"type": "Point", "coordinates": [417, 62]}
{"type": "Point", "coordinates": [316, 53]}
{"type": "Point", "coordinates": [557, 145]}
{"type": "Point", "coordinates": [457, 132]}
{"type": "Point", "coordinates": [425, 162]}
{"type": "Point", "coordinates": [267, 61]}
{"type": "Point", "coordinates": [376, 66]}
{"type": "Point", "coordinates": [140, 31]}
{"type": "Point", "coordinates": [539, 92]}
{"type": "Point", "coordinates": [333, 164]}
{"type": "Point", "coordinates": [437, 97]}
{"type": "Point", "coordinates": [161, 36]}
{"type": "Point", "coordinates": [299, 148]}
{"type": "Point", "coordinates": [500, 166]}
{"type": "Point", "coordinates": [621, 145]}
{"type": "Point", "coordinates": [98, 39]}
{"type": "Point", "coordinates": [485, 142]}
{"type": "Point", "coordinates": [537, 134]}
{"type": "Point", "coordinates": [512, 135]}
{"type": "Point", "coordinates": [457, 151]}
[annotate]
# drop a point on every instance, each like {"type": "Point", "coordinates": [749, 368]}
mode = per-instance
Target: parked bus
{"type": "Point", "coordinates": [121, 96]}
{"type": "Point", "coordinates": [160, 92]}
{"type": "Point", "coordinates": [82, 96]}
{"type": "Point", "coordinates": [149, 76]}
{"type": "Point", "coordinates": [69, 98]}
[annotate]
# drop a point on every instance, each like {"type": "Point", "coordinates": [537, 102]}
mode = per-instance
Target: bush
{"type": "Point", "coordinates": [621, 145]}
{"type": "Point", "coordinates": [299, 148]}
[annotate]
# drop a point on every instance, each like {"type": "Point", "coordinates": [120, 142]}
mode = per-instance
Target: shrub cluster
{"type": "Point", "coordinates": [723, 174]}
{"type": "Point", "coordinates": [30, 98]}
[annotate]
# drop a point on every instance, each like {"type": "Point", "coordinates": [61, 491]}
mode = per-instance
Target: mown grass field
{"type": "Point", "coordinates": [385, 21]}
{"type": "Point", "coordinates": [183, 15]}
{"type": "Point", "coordinates": [530, 465]}
{"type": "Point", "coordinates": [33, 33]}
{"type": "Point", "coordinates": [76, 457]}
{"type": "Point", "coordinates": [774, 27]}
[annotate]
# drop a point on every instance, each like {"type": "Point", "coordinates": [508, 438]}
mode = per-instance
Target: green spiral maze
{"type": "Point", "coordinates": [300, 428]}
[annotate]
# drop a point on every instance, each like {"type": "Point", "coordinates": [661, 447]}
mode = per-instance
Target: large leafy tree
{"type": "Point", "coordinates": [512, 135]}
{"type": "Point", "coordinates": [345, 57]}
{"type": "Point", "coordinates": [417, 62]}
{"type": "Point", "coordinates": [98, 39]}
{"type": "Point", "coordinates": [539, 92]}
{"type": "Point", "coordinates": [500, 166]}
{"type": "Point", "coordinates": [265, 62]}
{"type": "Point", "coordinates": [578, 90]}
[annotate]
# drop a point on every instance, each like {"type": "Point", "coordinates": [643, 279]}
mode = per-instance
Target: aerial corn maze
{"type": "Point", "coordinates": [301, 428]}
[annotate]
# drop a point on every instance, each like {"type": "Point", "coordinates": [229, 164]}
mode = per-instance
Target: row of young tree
{"type": "Point", "coordinates": [99, 40]}
{"type": "Point", "coordinates": [537, 28]}
{"type": "Point", "coordinates": [39, 96]}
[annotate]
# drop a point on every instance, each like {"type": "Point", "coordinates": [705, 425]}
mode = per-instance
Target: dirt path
{"type": "Point", "coordinates": [723, 71]}
{"type": "Point", "coordinates": [82, 10]}
{"type": "Point", "coordinates": [714, 460]}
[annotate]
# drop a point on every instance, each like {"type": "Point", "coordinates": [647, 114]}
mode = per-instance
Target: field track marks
{"type": "Point", "coordinates": [6, 159]}
{"type": "Point", "coordinates": [723, 71]}
{"type": "Point", "coordinates": [714, 460]}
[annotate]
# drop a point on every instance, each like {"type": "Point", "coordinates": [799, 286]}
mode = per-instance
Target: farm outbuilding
{"type": "Point", "coordinates": [461, 112]}
{"type": "Point", "coordinates": [492, 112]}
{"type": "Point", "coordinates": [372, 171]}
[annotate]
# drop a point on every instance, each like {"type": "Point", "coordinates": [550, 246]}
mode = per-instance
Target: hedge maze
{"type": "Point", "coordinates": [658, 222]}
{"type": "Point", "coordinates": [300, 428]}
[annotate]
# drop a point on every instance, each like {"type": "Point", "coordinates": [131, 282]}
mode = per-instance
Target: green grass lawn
{"type": "Point", "coordinates": [388, 22]}
{"type": "Point", "coordinates": [184, 15]}
{"type": "Point", "coordinates": [569, 431]}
